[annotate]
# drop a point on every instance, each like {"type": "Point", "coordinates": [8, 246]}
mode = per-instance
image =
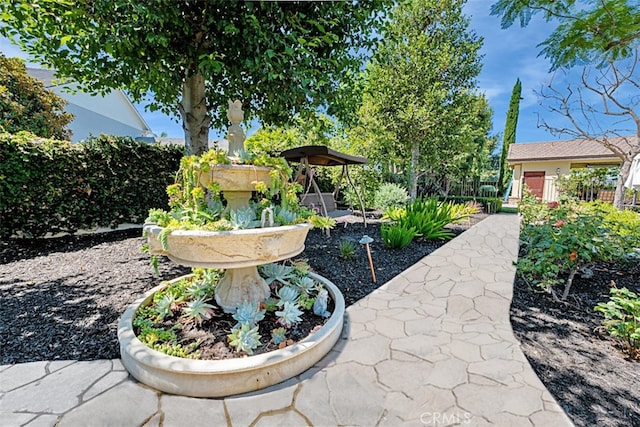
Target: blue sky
{"type": "Point", "coordinates": [508, 55]}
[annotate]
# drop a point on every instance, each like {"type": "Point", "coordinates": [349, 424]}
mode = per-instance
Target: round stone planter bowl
{"type": "Point", "coordinates": [229, 249]}
{"type": "Point", "coordinates": [239, 252]}
{"type": "Point", "coordinates": [219, 378]}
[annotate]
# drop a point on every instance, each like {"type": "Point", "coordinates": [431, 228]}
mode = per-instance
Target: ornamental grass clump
{"type": "Point", "coordinates": [397, 236]}
{"type": "Point", "coordinates": [425, 218]}
{"type": "Point", "coordinates": [560, 239]}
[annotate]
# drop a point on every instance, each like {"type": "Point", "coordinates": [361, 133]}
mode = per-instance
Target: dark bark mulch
{"type": "Point", "coordinates": [586, 370]}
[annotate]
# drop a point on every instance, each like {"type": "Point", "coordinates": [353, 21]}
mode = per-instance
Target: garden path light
{"type": "Point", "coordinates": [365, 241]}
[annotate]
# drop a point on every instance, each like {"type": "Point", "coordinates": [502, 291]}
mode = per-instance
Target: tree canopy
{"type": "Point", "coordinates": [594, 32]}
{"type": "Point", "coordinates": [604, 37]}
{"type": "Point", "coordinates": [420, 86]}
{"type": "Point", "coordinates": [279, 57]}
{"type": "Point", "coordinates": [26, 105]}
{"type": "Point", "coordinates": [509, 135]}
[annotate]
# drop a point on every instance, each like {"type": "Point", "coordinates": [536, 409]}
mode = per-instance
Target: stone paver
{"type": "Point", "coordinates": [434, 346]}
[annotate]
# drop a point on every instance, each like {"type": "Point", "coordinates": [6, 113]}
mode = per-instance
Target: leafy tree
{"type": "Point", "coordinates": [509, 134]}
{"type": "Point", "coordinates": [279, 58]}
{"type": "Point", "coordinates": [314, 129]}
{"type": "Point", "coordinates": [604, 35]}
{"type": "Point", "coordinates": [25, 104]}
{"type": "Point", "coordinates": [419, 86]}
{"type": "Point", "coordinates": [606, 92]}
{"type": "Point", "coordinates": [595, 32]}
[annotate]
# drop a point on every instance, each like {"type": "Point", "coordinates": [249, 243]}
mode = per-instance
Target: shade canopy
{"type": "Point", "coordinates": [321, 155]}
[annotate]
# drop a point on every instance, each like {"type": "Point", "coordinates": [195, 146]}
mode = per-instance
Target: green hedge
{"type": "Point", "coordinates": [54, 186]}
{"type": "Point", "coordinates": [489, 204]}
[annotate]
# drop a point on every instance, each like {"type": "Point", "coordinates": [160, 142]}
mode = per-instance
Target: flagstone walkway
{"type": "Point", "coordinates": [433, 346]}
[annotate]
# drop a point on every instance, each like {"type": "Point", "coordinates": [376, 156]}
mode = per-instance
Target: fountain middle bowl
{"type": "Point", "coordinates": [229, 249]}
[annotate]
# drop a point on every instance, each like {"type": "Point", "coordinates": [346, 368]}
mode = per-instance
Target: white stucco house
{"type": "Point", "coordinates": [112, 114]}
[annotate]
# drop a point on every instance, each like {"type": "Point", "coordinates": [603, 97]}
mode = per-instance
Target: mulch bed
{"type": "Point", "coordinates": [582, 366]}
{"type": "Point", "coordinates": [62, 299]}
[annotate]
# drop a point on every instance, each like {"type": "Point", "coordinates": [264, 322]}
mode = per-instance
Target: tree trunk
{"type": "Point", "coordinates": [195, 120]}
{"type": "Point", "coordinates": [413, 167]}
{"type": "Point", "coordinates": [618, 198]}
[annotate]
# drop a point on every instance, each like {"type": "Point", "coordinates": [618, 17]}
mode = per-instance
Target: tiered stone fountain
{"type": "Point", "coordinates": [239, 253]}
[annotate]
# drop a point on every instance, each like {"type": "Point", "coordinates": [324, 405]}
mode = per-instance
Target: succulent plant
{"type": "Point", "coordinates": [248, 312]}
{"type": "Point", "coordinates": [245, 338]}
{"type": "Point", "coordinates": [289, 315]}
{"type": "Point", "coordinates": [243, 218]}
{"type": "Point", "coordinates": [167, 305]}
{"type": "Point", "coordinates": [305, 284]}
{"type": "Point", "coordinates": [211, 276]}
{"type": "Point", "coordinates": [199, 290]}
{"type": "Point", "coordinates": [198, 310]}
{"type": "Point", "coordinates": [301, 267]}
{"type": "Point", "coordinates": [275, 272]}
{"type": "Point", "coordinates": [284, 215]}
{"type": "Point", "coordinates": [215, 207]}
{"type": "Point", "coordinates": [278, 335]}
{"type": "Point", "coordinates": [287, 294]}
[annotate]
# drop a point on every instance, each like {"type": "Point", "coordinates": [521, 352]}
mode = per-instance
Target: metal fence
{"type": "Point", "coordinates": [442, 186]}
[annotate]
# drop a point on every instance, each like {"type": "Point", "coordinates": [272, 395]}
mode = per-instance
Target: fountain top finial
{"type": "Point", "coordinates": [235, 134]}
{"type": "Point", "coordinates": [235, 113]}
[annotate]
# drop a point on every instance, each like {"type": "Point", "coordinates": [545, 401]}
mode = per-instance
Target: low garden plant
{"type": "Point", "coordinates": [397, 236]}
{"type": "Point", "coordinates": [622, 319]}
{"type": "Point", "coordinates": [424, 218]}
{"type": "Point", "coordinates": [561, 239]}
{"type": "Point", "coordinates": [390, 195]}
{"type": "Point", "coordinates": [429, 217]}
{"type": "Point", "coordinates": [184, 315]}
{"type": "Point", "coordinates": [347, 249]}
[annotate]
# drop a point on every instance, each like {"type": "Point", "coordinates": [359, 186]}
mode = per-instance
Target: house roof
{"type": "Point", "coordinates": [45, 76]}
{"type": "Point", "coordinates": [51, 81]}
{"type": "Point", "coordinates": [573, 149]}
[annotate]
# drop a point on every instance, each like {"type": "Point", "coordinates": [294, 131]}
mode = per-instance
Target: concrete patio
{"type": "Point", "coordinates": [434, 346]}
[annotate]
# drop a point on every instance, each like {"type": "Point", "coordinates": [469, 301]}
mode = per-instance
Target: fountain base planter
{"type": "Point", "coordinates": [219, 378]}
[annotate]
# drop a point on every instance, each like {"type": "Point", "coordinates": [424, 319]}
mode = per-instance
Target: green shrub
{"type": "Point", "coordinates": [489, 204]}
{"type": "Point", "coordinates": [390, 196]}
{"type": "Point", "coordinates": [397, 236]}
{"type": "Point", "coordinates": [488, 191]}
{"type": "Point", "coordinates": [55, 186]}
{"type": "Point", "coordinates": [428, 217]}
{"type": "Point", "coordinates": [626, 224]}
{"type": "Point", "coordinates": [395, 214]}
{"type": "Point", "coordinates": [622, 318]}
{"type": "Point", "coordinates": [462, 211]}
{"type": "Point", "coordinates": [560, 239]}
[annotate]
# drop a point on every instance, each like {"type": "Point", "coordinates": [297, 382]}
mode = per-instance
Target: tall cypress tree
{"type": "Point", "coordinates": [509, 134]}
